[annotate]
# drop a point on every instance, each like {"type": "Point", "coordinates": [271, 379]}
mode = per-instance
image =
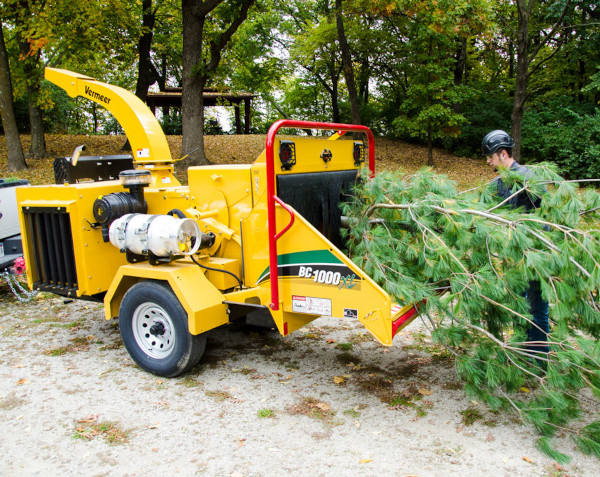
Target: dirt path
{"type": "Point", "coordinates": [327, 400]}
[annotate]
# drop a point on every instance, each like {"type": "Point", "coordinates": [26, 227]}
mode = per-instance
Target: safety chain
{"type": "Point", "coordinates": [21, 293]}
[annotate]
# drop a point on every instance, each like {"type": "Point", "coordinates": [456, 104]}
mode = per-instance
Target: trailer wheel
{"type": "Point", "coordinates": [154, 329]}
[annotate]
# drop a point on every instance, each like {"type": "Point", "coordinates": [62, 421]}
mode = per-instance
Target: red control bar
{"type": "Point", "coordinates": [272, 198]}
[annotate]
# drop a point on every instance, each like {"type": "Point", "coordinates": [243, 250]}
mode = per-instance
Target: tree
{"type": "Point", "coordinates": [432, 92]}
{"type": "Point", "coordinates": [208, 27]}
{"type": "Point", "coordinates": [24, 12]}
{"type": "Point", "coordinates": [347, 66]}
{"type": "Point", "coordinates": [313, 47]}
{"type": "Point", "coordinates": [147, 74]}
{"type": "Point", "coordinates": [466, 258]}
{"type": "Point", "coordinates": [16, 159]}
{"type": "Point", "coordinates": [531, 53]}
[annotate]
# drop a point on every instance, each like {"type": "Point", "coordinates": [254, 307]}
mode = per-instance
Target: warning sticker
{"type": "Point", "coordinates": [314, 306]}
{"type": "Point", "coordinates": [145, 152]}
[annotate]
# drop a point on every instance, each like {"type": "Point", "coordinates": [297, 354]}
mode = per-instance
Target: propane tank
{"type": "Point", "coordinates": [159, 235]}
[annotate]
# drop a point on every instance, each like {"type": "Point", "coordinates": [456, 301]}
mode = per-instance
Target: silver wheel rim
{"type": "Point", "coordinates": [153, 330]}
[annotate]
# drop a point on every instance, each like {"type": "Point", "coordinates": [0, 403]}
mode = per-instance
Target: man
{"type": "Point", "coordinates": [497, 148]}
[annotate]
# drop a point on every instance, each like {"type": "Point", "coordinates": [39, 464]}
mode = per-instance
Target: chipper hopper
{"type": "Point", "coordinates": [174, 261]}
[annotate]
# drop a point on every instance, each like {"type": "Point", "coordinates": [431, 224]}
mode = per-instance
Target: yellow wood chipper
{"type": "Point", "coordinates": [173, 262]}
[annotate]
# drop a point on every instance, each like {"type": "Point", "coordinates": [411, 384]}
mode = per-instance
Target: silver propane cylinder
{"type": "Point", "coordinates": [161, 235]}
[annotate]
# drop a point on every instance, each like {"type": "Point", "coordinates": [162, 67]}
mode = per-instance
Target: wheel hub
{"type": "Point", "coordinates": [157, 329]}
{"type": "Point", "coordinates": [153, 330]}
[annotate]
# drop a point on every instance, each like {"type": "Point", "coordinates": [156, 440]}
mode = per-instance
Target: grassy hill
{"type": "Point", "coordinates": [244, 149]}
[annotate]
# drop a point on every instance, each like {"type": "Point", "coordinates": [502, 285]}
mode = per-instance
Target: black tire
{"type": "Point", "coordinates": [154, 329]}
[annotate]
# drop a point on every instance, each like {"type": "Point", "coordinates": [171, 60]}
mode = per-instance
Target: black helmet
{"type": "Point", "coordinates": [495, 140]}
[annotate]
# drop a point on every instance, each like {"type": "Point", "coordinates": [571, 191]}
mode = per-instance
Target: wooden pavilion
{"type": "Point", "coordinates": [171, 98]}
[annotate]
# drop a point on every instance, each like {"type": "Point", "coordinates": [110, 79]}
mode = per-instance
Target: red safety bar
{"type": "Point", "coordinates": [272, 198]}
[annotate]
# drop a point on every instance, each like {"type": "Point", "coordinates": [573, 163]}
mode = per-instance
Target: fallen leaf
{"type": "Point", "coordinates": [425, 392]}
{"type": "Point", "coordinates": [90, 418]}
{"type": "Point", "coordinates": [338, 379]}
{"type": "Point", "coordinates": [155, 449]}
{"type": "Point", "coordinates": [365, 461]}
{"type": "Point", "coordinates": [330, 341]}
{"type": "Point", "coordinates": [528, 460]}
{"type": "Point", "coordinates": [525, 390]}
{"type": "Point", "coordinates": [22, 381]}
{"type": "Point", "coordinates": [323, 406]}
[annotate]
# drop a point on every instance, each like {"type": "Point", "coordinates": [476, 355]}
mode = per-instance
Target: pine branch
{"type": "Point", "coordinates": [419, 235]}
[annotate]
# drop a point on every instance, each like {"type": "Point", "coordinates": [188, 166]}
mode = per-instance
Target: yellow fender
{"type": "Point", "coordinates": [200, 299]}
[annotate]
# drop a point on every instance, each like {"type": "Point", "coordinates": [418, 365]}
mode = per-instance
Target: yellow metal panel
{"type": "Point", "coordinates": [96, 262]}
{"type": "Point", "coordinates": [256, 241]}
{"type": "Point", "coordinates": [309, 151]}
{"type": "Point", "coordinates": [233, 181]}
{"type": "Point", "coordinates": [162, 200]}
{"type": "Point", "coordinates": [201, 300]}
{"type": "Point", "coordinates": [220, 280]}
{"type": "Point", "coordinates": [315, 279]}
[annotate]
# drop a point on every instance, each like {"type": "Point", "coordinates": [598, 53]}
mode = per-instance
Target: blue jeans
{"type": "Point", "coordinates": [539, 310]}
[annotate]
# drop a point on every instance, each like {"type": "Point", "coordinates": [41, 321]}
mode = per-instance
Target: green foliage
{"type": "Point", "coordinates": [483, 113]}
{"type": "Point", "coordinates": [565, 133]}
{"type": "Point", "coordinates": [466, 259]}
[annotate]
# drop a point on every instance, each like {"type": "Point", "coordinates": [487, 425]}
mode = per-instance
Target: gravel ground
{"type": "Point", "coordinates": [327, 400]}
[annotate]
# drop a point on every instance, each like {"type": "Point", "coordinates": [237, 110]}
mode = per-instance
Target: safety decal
{"type": "Point", "coordinates": [311, 305]}
{"type": "Point", "coordinates": [141, 153]}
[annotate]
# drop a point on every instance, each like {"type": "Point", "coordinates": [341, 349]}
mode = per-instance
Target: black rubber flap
{"type": "Point", "coordinates": [317, 196]}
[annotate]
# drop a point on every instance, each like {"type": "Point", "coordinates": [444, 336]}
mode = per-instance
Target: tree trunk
{"type": "Point", "coordinates": [334, 76]}
{"type": "Point", "coordinates": [16, 159]}
{"type": "Point", "coordinates": [335, 105]}
{"type": "Point", "coordinates": [521, 76]}
{"type": "Point", "coordinates": [363, 81]}
{"type": "Point", "coordinates": [429, 147]}
{"type": "Point", "coordinates": [192, 102]}
{"type": "Point", "coordinates": [38, 141]}
{"type": "Point", "coordinates": [31, 68]}
{"type": "Point", "coordinates": [146, 71]}
{"type": "Point", "coordinates": [197, 69]}
{"type": "Point", "coordinates": [459, 70]}
{"type": "Point", "coordinates": [347, 64]}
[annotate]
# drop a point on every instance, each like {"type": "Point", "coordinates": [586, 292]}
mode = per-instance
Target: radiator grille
{"type": "Point", "coordinates": [51, 249]}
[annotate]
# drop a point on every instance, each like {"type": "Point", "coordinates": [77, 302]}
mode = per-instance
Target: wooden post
{"type": "Point", "coordinates": [238, 126]}
{"type": "Point", "coordinates": [247, 116]}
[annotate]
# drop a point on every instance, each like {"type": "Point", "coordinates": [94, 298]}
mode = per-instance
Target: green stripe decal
{"type": "Point", "coordinates": [311, 256]}
{"type": "Point", "coordinates": [302, 258]}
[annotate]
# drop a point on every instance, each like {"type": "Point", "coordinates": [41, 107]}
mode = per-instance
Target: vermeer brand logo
{"type": "Point", "coordinates": [91, 93]}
